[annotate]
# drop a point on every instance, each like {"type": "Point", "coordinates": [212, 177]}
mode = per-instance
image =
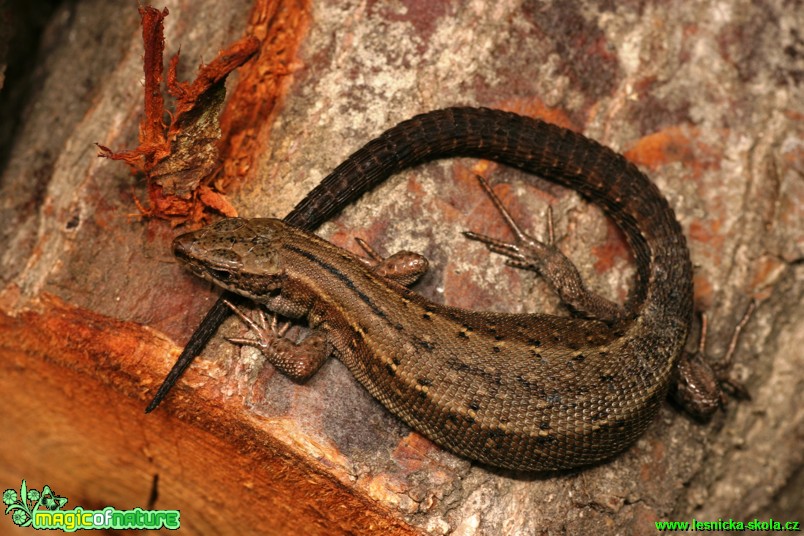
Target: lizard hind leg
{"type": "Point", "coordinates": [701, 387]}
{"type": "Point", "coordinates": [526, 252]}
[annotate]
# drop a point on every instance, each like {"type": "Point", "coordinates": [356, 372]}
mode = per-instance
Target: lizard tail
{"type": "Point", "coordinates": [662, 293]}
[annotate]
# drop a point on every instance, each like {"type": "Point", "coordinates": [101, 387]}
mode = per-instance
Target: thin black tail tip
{"type": "Point", "coordinates": [153, 405]}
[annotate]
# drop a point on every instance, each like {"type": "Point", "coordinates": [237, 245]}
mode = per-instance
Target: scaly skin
{"type": "Point", "coordinates": [530, 392]}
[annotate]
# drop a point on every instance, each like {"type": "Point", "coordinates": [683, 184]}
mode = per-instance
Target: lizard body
{"type": "Point", "coordinates": [530, 392]}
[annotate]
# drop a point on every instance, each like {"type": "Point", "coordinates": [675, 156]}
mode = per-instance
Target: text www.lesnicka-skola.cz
{"type": "Point", "coordinates": [728, 524]}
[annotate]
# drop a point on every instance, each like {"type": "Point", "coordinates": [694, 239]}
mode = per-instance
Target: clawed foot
{"type": "Point", "coordinates": [266, 335]}
{"type": "Point", "coordinates": [702, 388]}
{"type": "Point", "coordinates": [545, 258]}
{"type": "Point", "coordinates": [521, 252]}
{"type": "Point", "coordinates": [296, 359]}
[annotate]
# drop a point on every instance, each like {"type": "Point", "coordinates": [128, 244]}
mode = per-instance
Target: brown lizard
{"type": "Point", "coordinates": [520, 391]}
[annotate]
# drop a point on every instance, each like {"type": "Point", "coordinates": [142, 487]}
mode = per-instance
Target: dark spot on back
{"type": "Point", "coordinates": [554, 397]}
{"type": "Point", "coordinates": [458, 365]}
{"type": "Point", "coordinates": [545, 439]}
{"type": "Point", "coordinates": [425, 344]}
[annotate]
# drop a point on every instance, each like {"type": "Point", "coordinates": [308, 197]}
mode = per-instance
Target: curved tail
{"type": "Point", "coordinates": [662, 293]}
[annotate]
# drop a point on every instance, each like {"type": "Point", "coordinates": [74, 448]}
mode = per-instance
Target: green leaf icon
{"type": "Point", "coordinates": [51, 500]}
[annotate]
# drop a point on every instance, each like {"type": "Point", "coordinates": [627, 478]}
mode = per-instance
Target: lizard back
{"type": "Point", "coordinates": [519, 391]}
{"type": "Point", "coordinates": [621, 389]}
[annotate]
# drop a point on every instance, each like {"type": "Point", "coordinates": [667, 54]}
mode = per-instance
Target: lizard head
{"type": "Point", "coordinates": [241, 255]}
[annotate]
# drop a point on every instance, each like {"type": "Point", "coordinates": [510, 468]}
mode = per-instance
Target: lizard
{"type": "Point", "coordinates": [519, 391]}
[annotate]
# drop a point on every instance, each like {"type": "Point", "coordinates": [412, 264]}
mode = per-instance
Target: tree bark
{"type": "Point", "coordinates": [704, 97]}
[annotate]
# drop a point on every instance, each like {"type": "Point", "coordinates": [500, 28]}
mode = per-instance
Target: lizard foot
{"type": "Point", "coordinates": [528, 253]}
{"type": "Point", "coordinates": [296, 359]}
{"type": "Point", "coordinates": [702, 387]}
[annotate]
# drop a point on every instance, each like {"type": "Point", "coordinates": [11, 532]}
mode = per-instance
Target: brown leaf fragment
{"type": "Point", "coordinates": [193, 154]}
{"type": "Point", "coordinates": [169, 206]}
{"type": "Point", "coordinates": [153, 131]}
{"type": "Point", "coordinates": [181, 159]}
{"type": "Point", "coordinates": [208, 75]}
{"type": "Point", "coordinates": [132, 158]}
{"type": "Point", "coordinates": [216, 201]}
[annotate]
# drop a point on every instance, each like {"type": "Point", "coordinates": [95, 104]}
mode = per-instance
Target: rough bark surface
{"type": "Point", "coordinates": [704, 96]}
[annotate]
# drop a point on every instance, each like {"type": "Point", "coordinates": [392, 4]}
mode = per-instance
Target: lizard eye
{"type": "Point", "coordinates": [219, 275]}
{"type": "Point", "coordinates": [221, 264]}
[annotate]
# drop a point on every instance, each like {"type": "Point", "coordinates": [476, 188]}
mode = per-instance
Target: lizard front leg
{"type": "Point", "coordinates": [297, 360]}
{"type": "Point", "coordinates": [300, 359]}
{"type": "Point", "coordinates": [404, 267]}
